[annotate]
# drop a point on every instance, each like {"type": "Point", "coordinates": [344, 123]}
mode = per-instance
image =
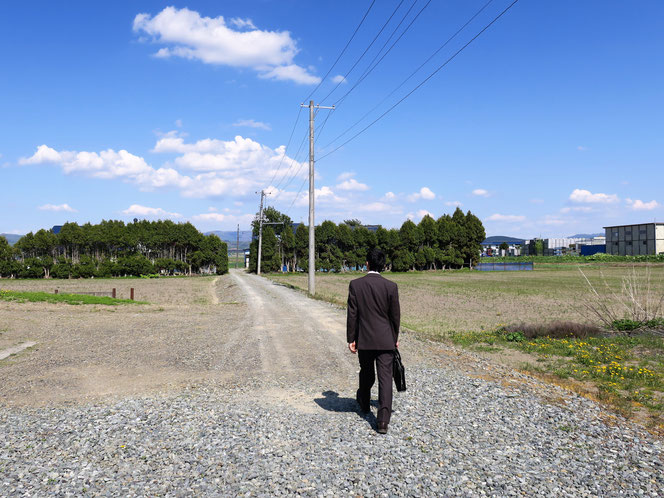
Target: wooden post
{"type": "Point", "coordinates": [56, 291]}
{"type": "Point", "coordinates": [113, 293]}
{"type": "Point", "coordinates": [131, 294]}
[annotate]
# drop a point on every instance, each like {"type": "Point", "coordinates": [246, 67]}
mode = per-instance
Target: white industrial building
{"type": "Point", "coordinates": [634, 240]}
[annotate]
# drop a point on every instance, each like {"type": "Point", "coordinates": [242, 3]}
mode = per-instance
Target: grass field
{"type": "Point", "coordinates": [444, 302]}
{"type": "Point", "coordinates": [45, 297]}
{"type": "Point", "coordinates": [471, 309]}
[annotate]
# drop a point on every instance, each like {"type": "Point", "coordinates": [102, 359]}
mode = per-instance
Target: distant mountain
{"type": "Point", "coordinates": [499, 239]}
{"type": "Point", "coordinates": [586, 235]}
{"type": "Point", "coordinates": [230, 238]}
{"type": "Point", "coordinates": [12, 238]}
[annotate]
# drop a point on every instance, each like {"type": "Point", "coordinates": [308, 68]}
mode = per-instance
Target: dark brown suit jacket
{"type": "Point", "coordinates": [373, 313]}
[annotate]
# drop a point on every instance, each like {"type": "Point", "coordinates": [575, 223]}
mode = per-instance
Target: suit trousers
{"type": "Point", "coordinates": [383, 361]}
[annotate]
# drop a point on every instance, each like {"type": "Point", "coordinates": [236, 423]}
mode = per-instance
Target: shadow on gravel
{"type": "Point", "coordinates": [333, 403]}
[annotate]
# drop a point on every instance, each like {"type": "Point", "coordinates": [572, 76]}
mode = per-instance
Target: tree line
{"type": "Point", "coordinates": [113, 249]}
{"type": "Point", "coordinates": [451, 241]}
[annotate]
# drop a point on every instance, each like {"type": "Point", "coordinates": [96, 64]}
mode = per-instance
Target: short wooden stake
{"type": "Point", "coordinates": [113, 293]}
{"type": "Point", "coordinates": [56, 291]}
{"type": "Point", "coordinates": [131, 294]}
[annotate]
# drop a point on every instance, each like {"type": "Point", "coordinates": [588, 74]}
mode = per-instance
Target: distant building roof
{"type": "Point", "coordinates": [56, 229]}
{"type": "Point", "coordinates": [636, 224]}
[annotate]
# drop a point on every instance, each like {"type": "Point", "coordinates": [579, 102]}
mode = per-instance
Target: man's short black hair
{"type": "Point", "coordinates": [376, 259]}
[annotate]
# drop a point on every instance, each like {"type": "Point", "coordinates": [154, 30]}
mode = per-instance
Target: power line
{"type": "Point", "coordinates": [412, 74]}
{"type": "Point", "coordinates": [296, 195]}
{"type": "Point", "coordinates": [286, 174]}
{"type": "Point", "coordinates": [318, 86]}
{"type": "Point", "coordinates": [287, 145]}
{"type": "Point", "coordinates": [322, 127]}
{"type": "Point", "coordinates": [342, 52]}
{"type": "Point", "coordinates": [363, 53]}
{"type": "Point", "coordinates": [370, 68]}
{"type": "Point", "coordinates": [421, 83]}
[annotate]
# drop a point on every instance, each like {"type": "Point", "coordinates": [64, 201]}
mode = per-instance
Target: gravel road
{"type": "Point", "coordinates": [283, 421]}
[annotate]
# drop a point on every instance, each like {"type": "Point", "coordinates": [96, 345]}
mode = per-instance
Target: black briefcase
{"type": "Point", "coordinates": [399, 372]}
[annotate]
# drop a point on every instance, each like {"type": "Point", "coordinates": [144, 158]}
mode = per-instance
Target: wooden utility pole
{"type": "Point", "coordinates": [260, 234]}
{"type": "Point", "coordinates": [312, 226]}
{"type": "Point", "coordinates": [237, 247]}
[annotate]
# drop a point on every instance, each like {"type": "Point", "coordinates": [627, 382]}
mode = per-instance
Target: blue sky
{"type": "Point", "coordinates": [550, 123]}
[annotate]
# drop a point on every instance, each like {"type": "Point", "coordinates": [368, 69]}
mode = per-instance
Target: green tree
{"type": "Point", "coordinates": [302, 246]}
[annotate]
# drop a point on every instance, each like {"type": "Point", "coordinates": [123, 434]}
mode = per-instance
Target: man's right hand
{"type": "Point", "coordinates": [353, 347]}
{"type": "Point", "coordinates": [397, 344]}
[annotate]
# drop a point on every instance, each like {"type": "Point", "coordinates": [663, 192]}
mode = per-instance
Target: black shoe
{"type": "Point", "coordinates": [364, 407]}
{"type": "Point", "coordinates": [382, 428]}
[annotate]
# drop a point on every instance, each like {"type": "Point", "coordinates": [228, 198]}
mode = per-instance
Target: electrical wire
{"type": "Point", "coordinates": [420, 84]}
{"type": "Point", "coordinates": [342, 52]}
{"type": "Point", "coordinates": [286, 149]}
{"type": "Point", "coordinates": [370, 69]}
{"type": "Point", "coordinates": [411, 74]}
{"type": "Point", "coordinates": [345, 76]}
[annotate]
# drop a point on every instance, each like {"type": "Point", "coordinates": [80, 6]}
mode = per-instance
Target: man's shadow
{"type": "Point", "coordinates": [333, 403]}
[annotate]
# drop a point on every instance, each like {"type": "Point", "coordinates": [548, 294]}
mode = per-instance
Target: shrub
{"type": "Point", "coordinates": [556, 330]}
{"type": "Point", "coordinates": [639, 298]}
{"type": "Point", "coordinates": [625, 324]}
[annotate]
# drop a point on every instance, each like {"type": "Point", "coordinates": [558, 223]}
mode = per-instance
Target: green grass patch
{"type": "Point", "coordinates": [45, 297]}
{"type": "Point", "coordinates": [627, 370]}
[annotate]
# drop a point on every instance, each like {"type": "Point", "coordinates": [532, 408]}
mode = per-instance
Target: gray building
{"type": "Point", "coordinates": [634, 240]}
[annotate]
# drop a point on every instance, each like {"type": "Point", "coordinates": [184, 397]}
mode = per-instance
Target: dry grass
{"type": "Point", "coordinates": [439, 303]}
{"type": "Point", "coordinates": [557, 330]}
{"type": "Point", "coordinates": [161, 291]}
{"type": "Point", "coordinates": [93, 351]}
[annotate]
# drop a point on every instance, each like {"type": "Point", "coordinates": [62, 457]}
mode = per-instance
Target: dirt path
{"type": "Point", "coordinates": [298, 339]}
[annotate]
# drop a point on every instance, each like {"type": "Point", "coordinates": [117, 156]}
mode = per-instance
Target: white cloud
{"type": "Point", "coordinates": [375, 207]}
{"type": "Point", "coordinates": [424, 193]}
{"type": "Point", "coordinates": [233, 168]}
{"type": "Point", "coordinates": [186, 34]}
{"type": "Point", "coordinates": [453, 203]}
{"type": "Point", "coordinates": [419, 215]}
{"type": "Point", "coordinates": [639, 205]}
{"type": "Point", "coordinates": [480, 192]}
{"type": "Point", "coordinates": [537, 201]}
{"type": "Point", "coordinates": [291, 72]}
{"type": "Point", "coordinates": [138, 210]}
{"type": "Point", "coordinates": [345, 176]}
{"type": "Point", "coordinates": [210, 217]}
{"type": "Point", "coordinates": [57, 207]}
{"type": "Point", "coordinates": [252, 124]}
{"type": "Point", "coordinates": [324, 195]}
{"type": "Point", "coordinates": [554, 220]}
{"type": "Point", "coordinates": [109, 164]}
{"type": "Point", "coordinates": [226, 220]}
{"type": "Point", "coordinates": [577, 209]}
{"type": "Point", "coordinates": [585, 196]}
{"type": "Point", "coordinates": [178, 123]}
{"type": "Point", "coordinates": [339, 79]}
{"type": "Point", "coordinates": [509, 218]}
{"type": "Point", "coordinates": [352, 184]}
{"type": "Point", "coordinates": [44, 154]}
{"type": "Point", "coordinates": [243, 23]}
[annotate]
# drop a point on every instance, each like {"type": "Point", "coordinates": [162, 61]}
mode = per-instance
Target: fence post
{"type": "Point", "coordinates": [56, 291]}
{"type": "Point", "coordinates": [113, 293]}
{"type": "Point", "coordinates": [131, 293]}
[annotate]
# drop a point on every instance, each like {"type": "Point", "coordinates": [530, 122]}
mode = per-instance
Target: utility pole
{"type": "Point", "coordinates": [312, 232]}
{"type": "Point", "coordinates": [237, 247]}
{"type": "Point", "coordinates": [260, 234]}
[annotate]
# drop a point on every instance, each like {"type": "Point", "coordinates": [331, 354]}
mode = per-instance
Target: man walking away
{"type": "Point", "coordinates": [372, 330]}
